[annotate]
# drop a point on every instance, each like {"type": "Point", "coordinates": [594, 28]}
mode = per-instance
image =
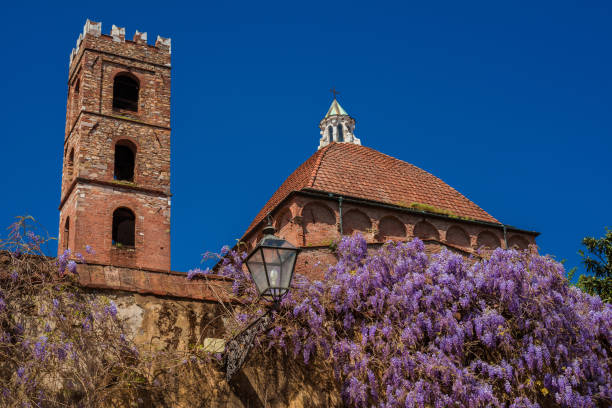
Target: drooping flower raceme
{"type": "Point", "coordinates": [402, 329]}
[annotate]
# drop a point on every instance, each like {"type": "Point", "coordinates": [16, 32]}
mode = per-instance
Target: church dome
{"type": "Point", "coordinates": [359, 172]}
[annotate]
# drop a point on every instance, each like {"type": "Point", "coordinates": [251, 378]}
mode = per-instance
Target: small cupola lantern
{"type": "Point", "coordinates": [271, 265]}
{"type": "Point", "coordinates": [337, 126]}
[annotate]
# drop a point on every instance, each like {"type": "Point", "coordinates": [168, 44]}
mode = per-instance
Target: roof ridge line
{"type": "Point", "coordinates": [317, 165]}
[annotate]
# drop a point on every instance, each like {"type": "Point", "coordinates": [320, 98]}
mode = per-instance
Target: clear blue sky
{"type": "Point", "coordinates": [508, 103]}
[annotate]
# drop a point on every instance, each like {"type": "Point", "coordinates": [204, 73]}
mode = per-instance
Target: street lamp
{"type": "Point", "coordinates": [271, 265]}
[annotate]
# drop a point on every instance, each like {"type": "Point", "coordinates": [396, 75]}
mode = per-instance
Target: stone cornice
{"type": "Point", "coordinates": [103, 115]}
{"type": "Point", "coordinates": [88, 181]}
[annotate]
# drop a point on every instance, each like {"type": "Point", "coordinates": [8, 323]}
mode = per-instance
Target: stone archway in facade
{"type": "Point", "coordinates": [318, 224]}
{"type": "Point", "coordinates": [488, 240]}
{"type": "Point", "coordinates": [424, 230]}
{"type": "Point", "coordinates": [518, 242]}
{"type": "Point", "coordinates": [456, 235]}
{"type": "Point", "coordinates": [355, 220]}
{"type": "Point", "coordinates": [389, 227]}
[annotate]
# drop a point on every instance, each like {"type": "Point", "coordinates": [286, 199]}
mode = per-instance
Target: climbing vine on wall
{"type": "Point", "coordinates": [402, 329]}
{"type": "Point", "coordinates": [61, 346]}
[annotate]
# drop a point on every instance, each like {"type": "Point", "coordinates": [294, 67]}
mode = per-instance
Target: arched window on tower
{"type": "Point", "coordinates": [125, 92]}
{"type": "Point", "coordinates": [66, 237]}
{"type": "Point", "coordinates": [125, 155]}
{"type": "Point", "coordinates": [74, 100]}
{"type": "Point", "coordinates": [70, 165]}
{"type": "Point", "coordinates": [124, 227]}
{"type": "Point", "coordinates": [340, 134]}
{"type": "Point", "coordinates": [330, 132]}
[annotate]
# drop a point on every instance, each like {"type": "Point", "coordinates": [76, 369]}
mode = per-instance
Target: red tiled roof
{"type": "Point", "coordinates": [358, 171]}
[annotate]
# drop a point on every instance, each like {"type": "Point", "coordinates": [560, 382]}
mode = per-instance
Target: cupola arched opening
{"type": "Point", "coordinates": [330, 132]}
{"type": "Point", "coordinates": [340, 134]}
{"type": "Point", "coordinates": [125, 92]}
{"type": "Point", "coordinates": [124, 227]}
{"type": "Point", "coordinates": [125, 160]}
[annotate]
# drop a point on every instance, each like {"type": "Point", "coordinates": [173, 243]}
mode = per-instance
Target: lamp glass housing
{"type": "Point", "coordinates": [271, 265]}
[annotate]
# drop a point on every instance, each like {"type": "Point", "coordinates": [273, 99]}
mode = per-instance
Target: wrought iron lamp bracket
{"type": "Point", "coordinates": [237, 349]}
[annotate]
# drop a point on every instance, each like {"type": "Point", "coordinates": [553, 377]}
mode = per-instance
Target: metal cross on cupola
{"type": "Point", "coordinates": [337, 126]}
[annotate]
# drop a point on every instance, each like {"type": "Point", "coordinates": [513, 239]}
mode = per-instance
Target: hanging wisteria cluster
{"type": "Point", "coordinates": [58, 346]}
{"type": "Point", "coordinates": [62, 346]}
{"type": "Point", "coordinates": [400, 328]}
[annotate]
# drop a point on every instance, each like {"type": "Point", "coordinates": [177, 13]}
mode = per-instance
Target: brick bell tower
{"type": "Point", "coordinates": [116, 174]}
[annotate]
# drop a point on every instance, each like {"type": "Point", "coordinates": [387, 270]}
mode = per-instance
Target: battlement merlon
{"type": "Point", "coordinates": [116, 44]}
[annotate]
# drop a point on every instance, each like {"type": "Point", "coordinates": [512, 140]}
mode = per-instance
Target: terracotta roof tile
{"type": "Point", "coordinates": [361, 172]}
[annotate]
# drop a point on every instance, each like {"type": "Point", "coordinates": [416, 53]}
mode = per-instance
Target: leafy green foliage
{"type": "Point", "coordinates": [598, 262]}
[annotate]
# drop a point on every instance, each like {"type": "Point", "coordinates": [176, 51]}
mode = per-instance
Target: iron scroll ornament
{"type": "Point", "coordinates": [237, 349]}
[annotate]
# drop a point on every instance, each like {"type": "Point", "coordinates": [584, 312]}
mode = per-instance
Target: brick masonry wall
{"type": "Point", "coordinates": [147, 282]}
{"type": "Point", "coordinates": [91, 208]}
{"type": "Point", "coordinates": [93, 143]}
{"type": "Point", "coordinates": [90, 194]}
{"type": "Point", "coordinates": [313, 224]}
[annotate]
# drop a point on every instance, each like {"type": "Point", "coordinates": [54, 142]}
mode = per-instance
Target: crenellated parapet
{"type": "Point", "coordinates": [92, 37]}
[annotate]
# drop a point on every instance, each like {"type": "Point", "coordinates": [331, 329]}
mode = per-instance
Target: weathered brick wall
{"type": "Point", "coordinates": [94, 148]}
{"type": "Point", "coordinates": [150, 282]}
{"type": "Point", "coordinates": [314, 224]}
{"type": "Point", "coordinates": [90, 194]}
{"type": "Point", "coordinates": [91, 208]}
{"type": "Point", "coordinates": [171, 314]}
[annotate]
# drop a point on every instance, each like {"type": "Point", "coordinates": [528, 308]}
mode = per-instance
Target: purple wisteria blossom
{"type": "Point", "coordinates": [62, 261]}
{"type": "Point", "coordinates": [52, 331]}
{"type": "Point", "coordinates": [40, 348]}
{"type": "Point", "coordinates": [192, 273]}
{"type": "Point", "coordinates": [111, 309]}
{"type": "Point", "coordinates": [400, 328]}
{"type": "Point", "coordinates": [21, 374]}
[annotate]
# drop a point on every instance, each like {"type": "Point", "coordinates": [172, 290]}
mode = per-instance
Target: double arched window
{"type": "Point", "coordinates": [125, 160]}
{"type": "Point", "coordinates": [124, 227]}
{"type": "Point", "coordinates": [125, 92]}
